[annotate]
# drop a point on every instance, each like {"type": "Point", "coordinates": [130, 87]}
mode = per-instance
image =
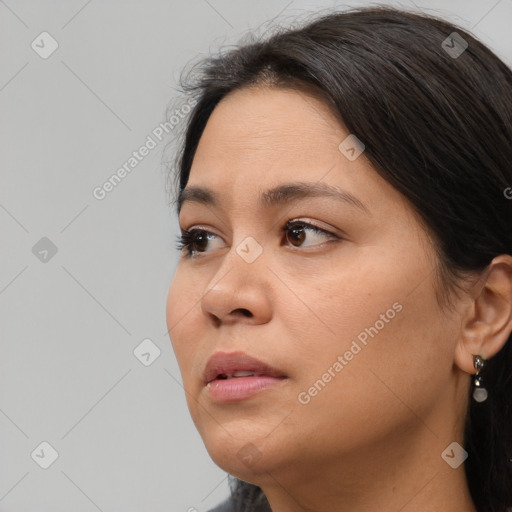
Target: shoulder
{"type": "Point", "coordinates": [225, 506]}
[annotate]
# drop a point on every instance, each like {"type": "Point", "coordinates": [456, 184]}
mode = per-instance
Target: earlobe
{"type": "Point", "coordinates": [464, 357]}
{"type": "Point", "coordinates": [488, 324]}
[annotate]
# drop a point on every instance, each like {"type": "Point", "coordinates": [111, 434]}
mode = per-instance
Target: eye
{"type": "Point", "coordinates": [297, 232]}
{"type": "Point", "coordinates": [194, 241]}
{"type": "Point", "coordinates": [191, 239]}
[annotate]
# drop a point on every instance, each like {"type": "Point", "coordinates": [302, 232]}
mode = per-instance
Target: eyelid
{"type": "Point", "coordinates": [184, 242]}
{"type": "Point", "coordinates": [295, 220]}
{"type": "Point", "coordinates": [310, 223]}
{"type": "Point", "coordinates": [287, 225]}
{"type": "Point", "coordinates": [327, 232]}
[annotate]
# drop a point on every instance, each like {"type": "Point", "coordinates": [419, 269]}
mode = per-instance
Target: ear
{"type": "Point", "coordinates": [488, 322]}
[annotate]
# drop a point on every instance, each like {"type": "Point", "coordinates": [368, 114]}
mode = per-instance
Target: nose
{"type": "Point", "coordinates": [238, 292]}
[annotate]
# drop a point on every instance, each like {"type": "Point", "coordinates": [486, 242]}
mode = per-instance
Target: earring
{"type": "Point", "coordinates": [480, 393]}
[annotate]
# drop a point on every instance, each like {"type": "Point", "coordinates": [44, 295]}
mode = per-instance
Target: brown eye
{"type": "Point", "coordinates": [194, 241]}
{"type": "Point", "coordinates": [296, 232]}
{"type": "Point", "coordinates": [200, 241]}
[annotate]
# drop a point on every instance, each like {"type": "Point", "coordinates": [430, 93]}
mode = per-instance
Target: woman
{"type": "Point", "coordinates": [342, 307]}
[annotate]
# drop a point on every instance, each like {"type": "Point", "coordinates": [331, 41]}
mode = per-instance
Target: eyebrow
{"type": "Point", "coordinates": [275, 196]}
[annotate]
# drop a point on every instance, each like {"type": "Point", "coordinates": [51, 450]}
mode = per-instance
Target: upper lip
{"type": "Point", "coordinates": [230, 362]}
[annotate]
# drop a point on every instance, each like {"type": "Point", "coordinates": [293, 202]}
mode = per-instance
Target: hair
{"type": "Point", "coordinates": [438, 128]}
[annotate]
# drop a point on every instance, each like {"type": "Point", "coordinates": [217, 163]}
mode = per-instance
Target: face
{"type": "Point", "coordinates": [342, 303]}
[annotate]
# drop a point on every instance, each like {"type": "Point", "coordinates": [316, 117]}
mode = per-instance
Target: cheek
{"type": "Point", "coordinates": [375, 350]}
{"type": "Point", "coordinates": [180, 310]}
{"type": "Point", "coordinates": [173, 310]}
{"type": "Point", "coordinates": [179, 314]}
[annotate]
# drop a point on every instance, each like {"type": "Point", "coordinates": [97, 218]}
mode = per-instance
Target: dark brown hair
{"type": "Point", "coordinates": [435, 125]}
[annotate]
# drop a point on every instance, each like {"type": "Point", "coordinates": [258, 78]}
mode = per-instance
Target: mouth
{"type": "Point", "coordinates": [235, 365]}
{"type": "Point", "coordinates": [237, 376]}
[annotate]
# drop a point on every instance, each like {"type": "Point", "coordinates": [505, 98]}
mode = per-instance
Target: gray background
{"type": "Point", "coordinates": [70, 322]}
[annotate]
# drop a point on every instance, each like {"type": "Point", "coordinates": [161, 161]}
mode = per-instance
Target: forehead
{"type": "Point", "coordinates": [258, 138]}
{"type": "Point", "coordinates": [262, 136]}
{"type": "Point", "coordinates": [258, 124]}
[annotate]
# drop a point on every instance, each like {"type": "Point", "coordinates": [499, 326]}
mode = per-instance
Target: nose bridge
{"type": "Point", "coordinates": [249, 249]}
{"type": "Point", "coordinates": [235, 285]}
{"type": "Point", "coordinates": [243, 258]}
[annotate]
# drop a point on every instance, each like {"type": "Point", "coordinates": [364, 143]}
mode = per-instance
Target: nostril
{"type": "Point", "coordinates": [244, 312]}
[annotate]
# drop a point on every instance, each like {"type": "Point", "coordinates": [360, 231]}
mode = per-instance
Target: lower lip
{"type": "Point", "coordinates": [239, 388]}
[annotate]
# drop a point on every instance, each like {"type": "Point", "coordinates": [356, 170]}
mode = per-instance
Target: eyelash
{"type": "Point", "coordinates": [187, 237]}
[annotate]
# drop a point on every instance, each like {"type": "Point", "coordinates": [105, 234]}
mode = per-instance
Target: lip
{"type": "Point", "coordinates": [230, 362]}
{"type": "Point", "coordinates": [238, 388]}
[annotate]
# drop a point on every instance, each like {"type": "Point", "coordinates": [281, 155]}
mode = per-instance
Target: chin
{"type": "Point", "coordinates": [240, 455]}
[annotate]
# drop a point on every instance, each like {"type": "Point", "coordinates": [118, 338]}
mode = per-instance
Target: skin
{"type": "Point", "coordinates": [372, 438]}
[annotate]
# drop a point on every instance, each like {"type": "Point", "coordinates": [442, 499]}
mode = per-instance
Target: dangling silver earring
{"type": "Point", "coordinates": [480, 393]}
